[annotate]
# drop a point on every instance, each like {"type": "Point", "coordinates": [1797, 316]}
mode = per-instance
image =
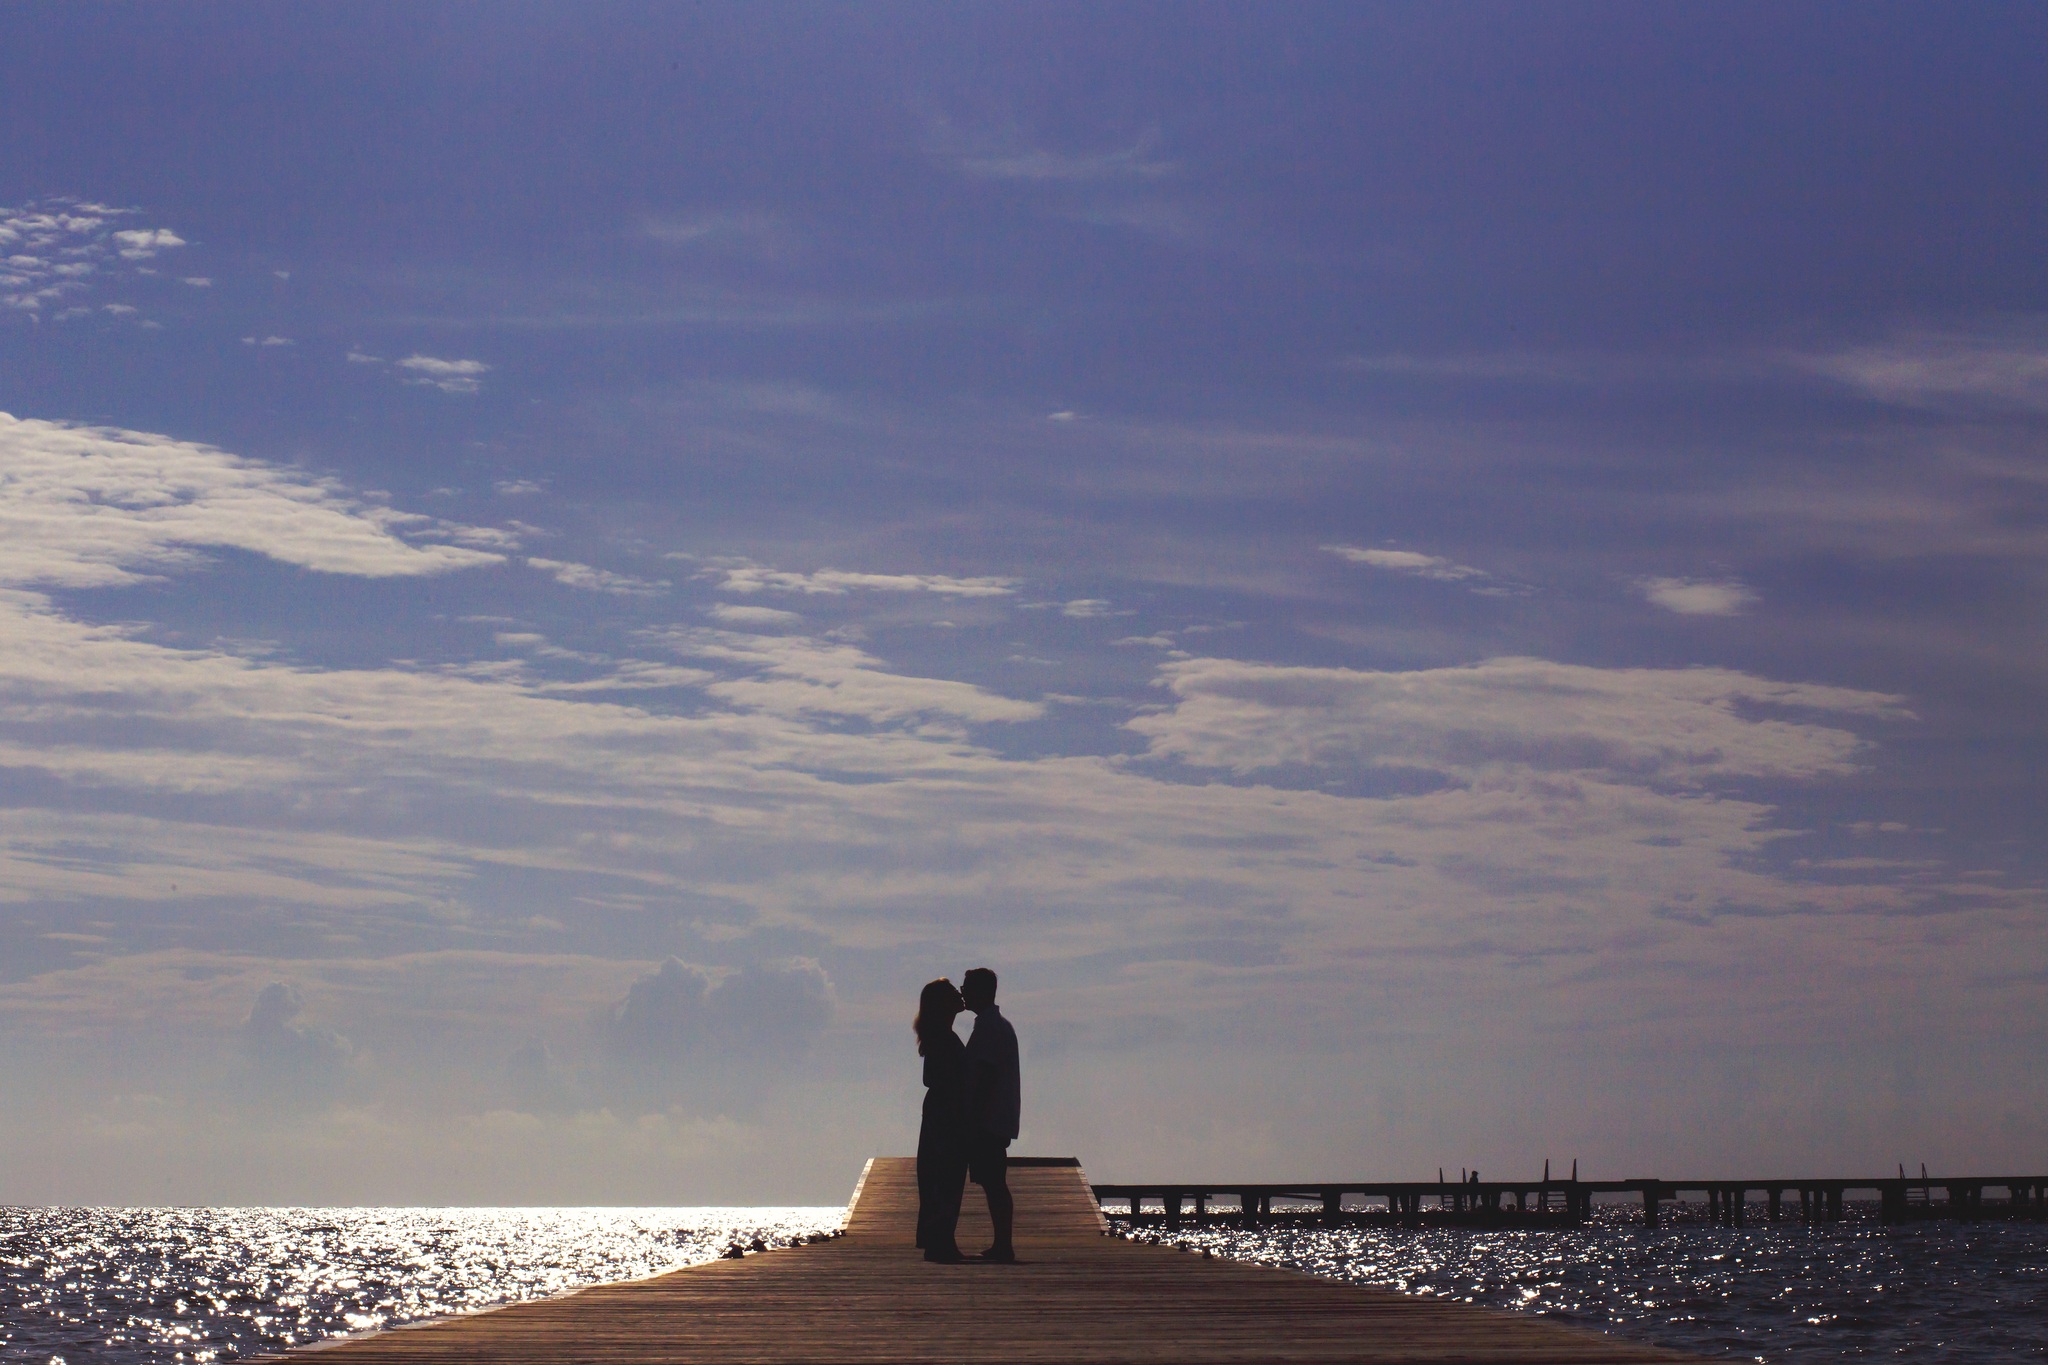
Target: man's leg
{"type": "Point", "coordinates": [1001, 1214]}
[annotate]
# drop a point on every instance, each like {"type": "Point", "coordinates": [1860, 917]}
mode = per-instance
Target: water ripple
{"type": "Point", "coordinates": [1779, 1293]}
{"type": "Point", "coordinates": [157, 1286]}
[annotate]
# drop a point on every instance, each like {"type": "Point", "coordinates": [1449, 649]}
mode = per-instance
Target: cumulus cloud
{"type": "Point", "coordinates": [98, 507]}
{"type": "Point", "coordinates": [55, 249]}
{"type": "Point", "coordinates": [283, 1049]}
{"type": "Point", "coordinates": [1682, 727]}
{"type": "Point", "coordinates": [752, 578]}
{"type": "Point", "coordinates": [1410, 562]}
{"type": "Point", "coordinates": [679, 1011]}
{"type": "Point", "coordinates": [449, 376]}
{"type": "Point", "coordinates": [597, 580]}
{"type": "Point", "coordinates": [138, 244]}
{"type": "Point", "coordinates": [1698, 596]}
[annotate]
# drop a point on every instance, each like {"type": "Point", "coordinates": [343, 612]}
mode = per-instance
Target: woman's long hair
{"type": "Point", "coordinates": [937, 1007]}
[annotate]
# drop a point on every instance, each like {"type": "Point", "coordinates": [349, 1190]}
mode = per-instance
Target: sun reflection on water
{"type": "Point", "coordinates": [94, 1286]}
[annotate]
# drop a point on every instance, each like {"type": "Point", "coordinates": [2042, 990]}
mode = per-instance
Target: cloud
{"type": "Point", "coordinates": [449, 376]}
{"type": "Point", "coordinates": [359, 357]}
{"type": "Point", "coordinates": [138, 244]}
{"type": "Point", "coordinates": [55, 249]}
{"type": "Point", "coordinates": [752, 578]}
{"type": "Point", "coordinates": [1675, 727]}
{"type": "Point", "coordinates": [518, 488]}
{"type": "Point", "coordinates": [1089, 608]}
{"type": "Point", "coordinates": [1698, 596]}
{"type": "Point", "coordinates": [736, 615]}
{"type": "Point", "coordinates": [1941, 370]}
{"type": "Point", "coordinates": [282, 1049]}
{"type": "Point", "coordinates": [268, 341]}
{"type": "Point", "coordinates": [597, 580]}
{"type": "Point", "coordinates": [760, 235]}
{"type": "Point", "coordinates": [98, 507]}
{"type": "Point", "coordinates": [800, 676]}
{"type": "Point", "coordinates": [1409, 562]}
{"type": "Point", "coordinates": [1139, 161]}
{"type": "Point", "coordinates": [680, 1011]}
{"type": "Point", "coordinates": [197, 281]}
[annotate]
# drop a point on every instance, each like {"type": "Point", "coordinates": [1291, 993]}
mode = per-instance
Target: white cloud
{"type": "Point", "coordinates": [1698, 596]}
{"type": "Point", "coordinates": [1089, 608]}
{"type": "Point", "coordinates": [518, 488]}
{"type": "Point", "coordinates": [60, 248]}
{"type": "Point", "coordinates": [449, 376]}
{"type": "Point", "coordinates": [268, 341]}
{"type": "Point", "coordinates": [834, 582]}
{"type": "Point", "coordinates": [799, 676]}
{"type": "Point", "coordinates": [197, 281]}
{"type": "Point", "coordinates": [137, 244]}
{"type": "Point", "coordinates": [1680, 727]}
{"type": "Point", "coordinates": [361, 357]}
{"type": "Point", "coordinates": [95, 507]}
{"type": "Point", "coordinates": [597, 580]}
{"type": "Point", "coordinates": [1409, 562]}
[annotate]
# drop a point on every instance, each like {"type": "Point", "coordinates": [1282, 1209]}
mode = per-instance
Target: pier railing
{"type": "Point", "coordinates": [1547, 1202]}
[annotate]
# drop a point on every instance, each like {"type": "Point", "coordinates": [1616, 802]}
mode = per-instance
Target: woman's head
{"type": "Point", "coordinates": [937, 1007]}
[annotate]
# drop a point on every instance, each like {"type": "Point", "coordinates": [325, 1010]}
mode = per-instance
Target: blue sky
{"type": "Point", "coordinates": [1431, 584]}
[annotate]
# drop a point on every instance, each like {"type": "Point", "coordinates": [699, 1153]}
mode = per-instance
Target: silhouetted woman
{"type": "Point", "coordinates": [942, 1138]}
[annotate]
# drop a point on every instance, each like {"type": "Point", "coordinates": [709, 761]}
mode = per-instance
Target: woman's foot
{"type": "Point", "coordinates": [944, 1255]}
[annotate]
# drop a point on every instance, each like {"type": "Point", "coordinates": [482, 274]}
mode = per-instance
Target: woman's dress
{"type": "Point", "coordinates": [942, 1143]}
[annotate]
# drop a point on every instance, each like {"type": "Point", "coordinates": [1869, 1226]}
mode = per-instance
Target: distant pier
{"type": "Point", "coordinates": [1545, 1202]}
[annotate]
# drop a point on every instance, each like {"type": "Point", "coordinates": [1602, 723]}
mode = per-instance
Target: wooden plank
{"type": "Point", "coordinates": [1077, 1295]}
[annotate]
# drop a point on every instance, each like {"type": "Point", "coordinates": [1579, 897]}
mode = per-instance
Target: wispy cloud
{"type": "Point", "coordinates": [574, 575]}
{"type": "Point", "coordinates": [751, 578]}
{"type": "Point", "coordinates": [734, 614]}
{"type": "Point", "coordinates": [97, 507]}
{"type": "Point", "coordinates": [449, 376]}
{"type": "Point", "coordinates": [1698, 596]}
{"type": "Point", "coordinates": [1943, 370]}
{"type": "Point", "coordinates": [1138, 161]}
{"type": "Point", "coordinates": [1411, 562]}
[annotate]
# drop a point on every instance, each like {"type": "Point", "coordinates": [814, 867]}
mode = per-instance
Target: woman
{"type": "Point", "coordinates": [942, 1139]}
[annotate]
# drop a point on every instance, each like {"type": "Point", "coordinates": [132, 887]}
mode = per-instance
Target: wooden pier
{"type": "Point", "coordinates": [1076, 1295]}
{"type": "Point", "coordinates": [1470, 1202]}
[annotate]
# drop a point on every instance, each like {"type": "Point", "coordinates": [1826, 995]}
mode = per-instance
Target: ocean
{"type": "Point", "coordinates": [165, 1286]}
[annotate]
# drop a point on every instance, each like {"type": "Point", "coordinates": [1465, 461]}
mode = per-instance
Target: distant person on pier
{"type": "Point", "coordinates": [942, 1138]}
{"type": "Point", "coordinates": [994, 1088]}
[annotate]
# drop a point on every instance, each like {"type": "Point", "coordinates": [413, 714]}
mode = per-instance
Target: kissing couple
{"type": "Point", "coordinates": [971, 1095]}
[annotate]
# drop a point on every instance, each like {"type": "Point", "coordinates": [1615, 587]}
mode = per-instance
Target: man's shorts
{"type": "Point", "coordinates": [988, 1160]}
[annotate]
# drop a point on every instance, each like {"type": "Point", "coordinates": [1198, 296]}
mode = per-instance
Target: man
{"type": "Point", "coordinates": [993, 1094]}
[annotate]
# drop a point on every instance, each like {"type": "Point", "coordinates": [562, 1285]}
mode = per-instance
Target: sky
{"type": "Point", "coordinates": [1432, 585]}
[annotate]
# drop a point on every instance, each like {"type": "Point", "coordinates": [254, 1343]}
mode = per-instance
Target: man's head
{"type": "Point", "coordinates": [978, 988]}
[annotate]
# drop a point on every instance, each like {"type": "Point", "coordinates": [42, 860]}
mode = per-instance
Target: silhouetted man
{"type": "Point", "coordinates": [994, 1089]}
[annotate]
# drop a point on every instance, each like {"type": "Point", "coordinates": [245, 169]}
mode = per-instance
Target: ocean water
{"type": "Point", "coordinates": [1854, 1290]}
{"type": "Point", "coordinates": [127, 1286]}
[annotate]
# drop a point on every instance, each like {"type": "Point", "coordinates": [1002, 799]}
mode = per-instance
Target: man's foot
{"type": "Point", "coordinates": [999, 1255]}
{"type": "Point", "coordinates": [944, 1256]}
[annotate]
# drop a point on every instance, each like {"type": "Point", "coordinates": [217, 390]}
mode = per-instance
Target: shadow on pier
{"type": "Point", "coordinates": [1541, 1203]}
